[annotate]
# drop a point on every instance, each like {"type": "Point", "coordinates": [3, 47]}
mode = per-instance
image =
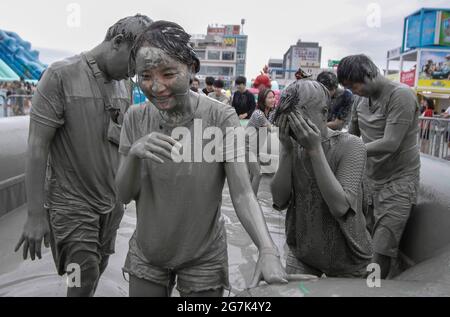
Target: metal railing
{"type": "Point", "coordinates": [12, 106]}
{"type": "Point", "coordinates": [434, 137]}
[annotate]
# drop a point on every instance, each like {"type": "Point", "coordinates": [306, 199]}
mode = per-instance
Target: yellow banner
{"type": "Point", "coordinates": [434, 83]}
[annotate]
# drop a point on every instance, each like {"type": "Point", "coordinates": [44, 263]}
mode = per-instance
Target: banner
{"type": "Point", "coordinates": [408, 78]}
{"type": "Point", "coordinates": [434, 71]}
{"type": "Point", "coordinates": [444, 38]}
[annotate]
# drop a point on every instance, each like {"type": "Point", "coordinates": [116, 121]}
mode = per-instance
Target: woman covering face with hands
{"type": "Point", "coordinates": [319, 180]}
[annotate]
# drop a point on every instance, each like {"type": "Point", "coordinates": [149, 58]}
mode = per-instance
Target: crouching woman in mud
{"type": "Point", "coordinates": [180, 235]}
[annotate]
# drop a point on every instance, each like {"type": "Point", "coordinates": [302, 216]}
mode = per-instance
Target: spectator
{"type": "Point", "coordinates": [446, 113]}
{"type": "Point", "coordinates": [243, 100]}
{"type": "Point", "coordinates": [195, 85]}
{"type": "Point", "coordinates": [218, 93]}
{"type": "Point", "coordinates": [20, 93]}
{"type": "Point", "coordinates": [425, 125]}
{"type": "Point", "coordinates": [3, 105]}
{"type": "Point", "coordinates": [341, 101]}
{"type": "Point", "coordinates": [429, 107]}
{"type": "Point", "coordinates": [261, 118]}
{"type": "Point", "coordinates": [209, 81]}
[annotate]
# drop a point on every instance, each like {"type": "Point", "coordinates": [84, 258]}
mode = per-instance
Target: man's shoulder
{"type": "Point", "coordinates": [359, 101]}
{"type": "Point", "coordinates": [248, 93]}
{"type": "Point", "coordinates": [122, 88]}
{"type": "Point", "coordinates": [66, 64]}
{"type": "Point", "coordinates": [402, 91]}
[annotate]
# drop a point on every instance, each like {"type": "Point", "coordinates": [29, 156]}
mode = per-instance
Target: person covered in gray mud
{"type": "Point", "coordinates": [319, 181]}
{"type": "Point", "coordinates": [75, 126]}
{"type": "Point", "coordinates": [180, 235]}
{"type": "Point", "coordinates": [386, 116]}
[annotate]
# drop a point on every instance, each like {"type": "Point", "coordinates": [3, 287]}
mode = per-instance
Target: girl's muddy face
{"type": "Point", "coordinates": [164, 80]}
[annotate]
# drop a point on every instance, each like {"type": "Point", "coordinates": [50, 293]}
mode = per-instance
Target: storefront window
{"type": "Point", "coordinates": [227, 55]}
{"type": "Point", "coordinates": [214, 55]}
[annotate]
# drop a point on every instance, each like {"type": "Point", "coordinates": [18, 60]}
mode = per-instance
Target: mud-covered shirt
{"type": "Point", "coordinates": [178, 205]}
{"type": "Point", "coordinates": [332, 245]}
{"type": "Point", "coordinates": [83, 162]}
{"type": "Point", "coordinates": [397, 105]}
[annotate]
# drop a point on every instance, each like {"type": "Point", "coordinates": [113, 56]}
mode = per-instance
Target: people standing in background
{"type": "Point", "coordinates": [209, 81]}
{"type": "Point", "coordinates": [261, 118]}
{"type": "Point", "coordinates": [218, 93]}
{"type": "Point", "coordinates": [195, 85]}
{"type": "Point", "coordinates": [429, 107]}
{"type": "Point", "coordinates": [341, 101]}
{"type": "Point", "coordinates": [243, 100]}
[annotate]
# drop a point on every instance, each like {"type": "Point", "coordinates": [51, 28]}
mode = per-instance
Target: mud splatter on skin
{"type": "Point", "coordinates": [165, 82]}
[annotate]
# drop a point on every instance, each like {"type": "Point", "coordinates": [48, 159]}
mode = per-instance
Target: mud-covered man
{"type": "Point", "coordinates": [387, 119]}
{"type": "Point", "coordinates": [75, 127]}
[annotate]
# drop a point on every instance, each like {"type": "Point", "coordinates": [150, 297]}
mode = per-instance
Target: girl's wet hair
{"type": "Point", "coordinates": [170, 38]}
{"type": "Point", "coordinates": [302, 92]}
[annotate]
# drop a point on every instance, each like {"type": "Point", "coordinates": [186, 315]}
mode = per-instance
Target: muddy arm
{"type": "Point", "coordinates": [247, 207]}
{"type": "Point", "coordinates": [128, 178]}
{"type": "Point", "coordinates": [281, 186]}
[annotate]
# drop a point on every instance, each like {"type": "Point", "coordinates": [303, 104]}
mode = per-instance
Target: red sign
{"type": "Point", "coordinates": [224, 30]}
{"type": "Point", "coordinates": [216, 30]}
{"type": "Point", "coordinates": [408, 78]}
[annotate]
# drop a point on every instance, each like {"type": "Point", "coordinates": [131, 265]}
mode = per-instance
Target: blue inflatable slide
{"type": "Point", "coordinates": [19, 57]}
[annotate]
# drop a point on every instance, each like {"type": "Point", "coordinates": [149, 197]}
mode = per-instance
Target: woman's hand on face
{"type": "Point", "coordinates": [155, 147]}
{"type": "Point", "coordinates": [306, 132]}
{"type": "Point", "coordinates": [284, 130]}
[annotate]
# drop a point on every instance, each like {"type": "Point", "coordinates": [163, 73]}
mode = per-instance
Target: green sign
{"type": "Point", "coordinates": [444, 38]}
{"type": "Point", "coordinates": [333, 63]}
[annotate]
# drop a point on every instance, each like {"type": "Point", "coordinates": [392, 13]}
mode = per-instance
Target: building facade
{"type": "Point", "coordinates": [307, 55]}
{"type": "Point", "coordinates": [276, 68]}
{"type": "Point", "coordinates": [222, 53]}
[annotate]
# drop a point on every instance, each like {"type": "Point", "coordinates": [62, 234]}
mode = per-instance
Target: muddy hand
{"type": "Point", "coordinates": [307, 134]}
{"type": "Point", "coordinates": [284, 130]}
{"type": "Point", "coordinates": [269, 269]}
{"type": "Point", "coordinates": [35, 231]}
{"type": "Point", "coordinates": [156, 147]}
